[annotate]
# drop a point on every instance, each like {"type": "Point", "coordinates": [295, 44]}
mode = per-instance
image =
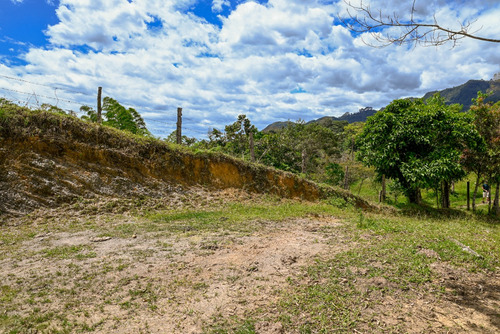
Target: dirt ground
{"type": "Point", "coordinates": [151, 282]}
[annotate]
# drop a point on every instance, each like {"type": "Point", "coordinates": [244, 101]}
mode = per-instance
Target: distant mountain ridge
{"type": "Point", "coordinates": [359, 116]}
{"type": "Point", "coordinates": [462, 94]}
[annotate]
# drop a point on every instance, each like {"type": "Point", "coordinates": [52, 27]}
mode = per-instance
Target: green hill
{"type": "Point", "coordinates": [464, 94]}
{"type": "Point", "coordinates": [359, 116]}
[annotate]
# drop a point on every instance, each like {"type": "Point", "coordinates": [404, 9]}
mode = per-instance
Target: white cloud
{"type": "Point", "coordinates": [251, 64]}
{"type": "Point", "coordinates": [217, 5]}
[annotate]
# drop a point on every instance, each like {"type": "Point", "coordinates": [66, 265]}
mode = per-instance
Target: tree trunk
{"type": "Point", "coordinates": [361, 185]}
{"type": "Point", "coordinates": [346, 178]}
{"type": "Point", "coordinates": [496, 204]}
{"type": "Point", "coordinates": [437, 197]}
{"type": "Point", "coordinates": [383, 192]}
{"type": "Point", "coordinates": [445, 197]}
{"type": "Point", "coordinates": [304, 156]}
{"type": "Point", "coordinates": [475, 192]}
{"type": "Point", "coordinates": [414, 196]}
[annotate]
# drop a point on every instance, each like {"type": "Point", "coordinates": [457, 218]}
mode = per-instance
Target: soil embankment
{"type": "Point", "coordinates": [47, 159]}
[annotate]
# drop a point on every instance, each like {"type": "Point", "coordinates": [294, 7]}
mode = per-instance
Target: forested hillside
{"type": "Point", "coordinates": [465, 93]}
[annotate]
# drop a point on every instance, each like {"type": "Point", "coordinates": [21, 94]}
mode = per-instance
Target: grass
{"type": "Point", "coordinates": [337, 293]}
{"type": "Point", "coordinates": [331, 298]}
{"type": "Point", "coordinates": [369, 189]}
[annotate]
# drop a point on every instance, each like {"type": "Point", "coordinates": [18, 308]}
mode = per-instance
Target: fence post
{"type": "Point", "coordinates": [383, 194]}
{"type": "Point", "coordinates": [179, 126]}
{"type": "Point", "coordinates": [99, 105]}
{"type": "Point", "coordinates": [468, 195]}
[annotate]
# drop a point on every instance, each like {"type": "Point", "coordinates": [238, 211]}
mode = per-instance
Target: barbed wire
{"type": "Point", "coordinates": [44, 85]}
{"type": "Point", "coordinates": [37, 104]}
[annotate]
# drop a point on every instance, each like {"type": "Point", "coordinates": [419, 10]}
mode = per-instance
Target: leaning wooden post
{"type": "Point", "coordinates": [179, 126]}
{"type": "Point", "coordinates": [99, 105]}
{"type": "Point", "coordinates": [468, 195]}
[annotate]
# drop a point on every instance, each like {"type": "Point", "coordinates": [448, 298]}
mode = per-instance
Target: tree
{"type": "Point", "coordinates": [91, 114]}
{"type": "Point", "coordinates": [418, 144]}
{"type": "Point", "coordinates": [352, 169]}
{"type": "Point", "coordinates": [119, 117]}
{"type": "Point", "coordinates": [299, 148]}
{"type": "Point", "coordinates": [185, 140]}
{"type": "Point", "coordinates": [485, 160]}
{"type": "Point", "coordinates": [412, 30]}
{"type": "Point", "coordinates": [235, 139]}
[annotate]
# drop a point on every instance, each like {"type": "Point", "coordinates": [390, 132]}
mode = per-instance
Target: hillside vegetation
{"type": "Point", "coordinates": [463, 94]}
{"type": "Point", "coordinates": [103, 231]}
{"type": "Point", "coordinates": [48, 159]}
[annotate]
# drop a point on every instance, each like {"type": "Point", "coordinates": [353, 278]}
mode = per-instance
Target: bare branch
{"type": "Point", "coordinates": [413, 31]}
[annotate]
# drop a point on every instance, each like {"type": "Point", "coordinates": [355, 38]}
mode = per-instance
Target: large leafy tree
{"type": "Point", "coordinates": [117, 116]}
{"type": "Point", "coordinates": [122, 118]}
{"type": "Point", "coordinates": [418, 144]}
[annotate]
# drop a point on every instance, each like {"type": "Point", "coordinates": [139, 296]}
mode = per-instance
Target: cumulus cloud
{"type": "Point", "coordinates": [156, 55]}
{"type": "Point", "coordinates": [217, 5]}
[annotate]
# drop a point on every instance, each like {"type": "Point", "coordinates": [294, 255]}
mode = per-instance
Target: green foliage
{"type": "Point", "coordinates": [91, 114]}
{"type": "Point", "coordinates": [334, 173]}
{"type": "Point", "coordinates": [299, 148]}
{"type": "Point", "coordinates": [51, 108]}
{"type": "Point", "coordinates": [119, 117]}
{"type": "Point", "coordinates": [418, 144]}
{"type": "Point", "coordinates": [185, 140]}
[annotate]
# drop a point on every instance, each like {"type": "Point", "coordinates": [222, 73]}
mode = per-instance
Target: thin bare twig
{"type": "Point", "coordinates": [413, 31]}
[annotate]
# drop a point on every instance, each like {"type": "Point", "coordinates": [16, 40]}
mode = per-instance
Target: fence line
{"type": "Point", "coordinates": [44, 85]}
{"type": "Point", "coordinates": [37, 104]}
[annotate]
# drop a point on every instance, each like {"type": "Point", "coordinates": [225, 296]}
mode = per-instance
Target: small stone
{"type": "Point", "coordinates": [101, 239]}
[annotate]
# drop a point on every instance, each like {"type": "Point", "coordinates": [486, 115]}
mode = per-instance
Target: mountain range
{"type": "Point", "coordinates": [462, 94]}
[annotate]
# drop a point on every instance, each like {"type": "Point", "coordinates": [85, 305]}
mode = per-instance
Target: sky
{"type": "Point", "coordinates": [272, 60]}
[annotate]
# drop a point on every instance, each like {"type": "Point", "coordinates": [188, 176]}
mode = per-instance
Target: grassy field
{"type": "Point", "coordinates": [248, 265]}
{"type": "Point", "coordinates": [369, 189]}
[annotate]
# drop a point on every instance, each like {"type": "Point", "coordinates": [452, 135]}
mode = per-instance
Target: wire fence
{"type": "Point", "coordinates": [23, 92]}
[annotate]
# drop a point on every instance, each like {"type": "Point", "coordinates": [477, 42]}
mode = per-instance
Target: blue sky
{"type": "Point", "coordinates": [22, 28]}
{"type": "Point", "coordinates": [272, 60]}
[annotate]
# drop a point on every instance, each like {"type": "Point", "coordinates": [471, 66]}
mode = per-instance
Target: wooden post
{"type": "Point", "coordinates": [468, 195]}
{"type": "Point", "coordinates": [383, 193]}
{"type": "Point", "coordinates": [252, 150]}
{"type": "Point", "coordinates": [179, 126]}
{"type": "Point", "coordinates": [346, 178]}
{"type": "Point", "coordinates": [99, 105]}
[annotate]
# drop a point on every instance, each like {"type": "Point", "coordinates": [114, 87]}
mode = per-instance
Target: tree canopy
{"type": "Point", "coordinates": [418, 143]}
{"type": "Point", "coordinates": [118, 116]}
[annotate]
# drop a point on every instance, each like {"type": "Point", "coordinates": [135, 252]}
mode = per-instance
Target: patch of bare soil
{"type": "Point", "coordinates": [153, 282]}
{"type": "Point", "coordinates": [162, 284]}
{"type": "Point", "coordinates": [456, 302]}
